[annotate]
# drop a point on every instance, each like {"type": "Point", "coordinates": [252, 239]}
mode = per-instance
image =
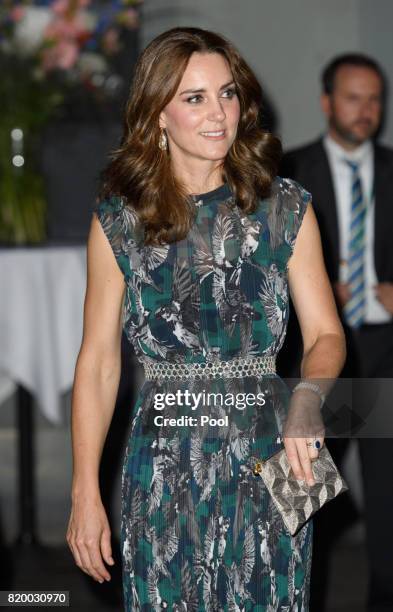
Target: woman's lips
{"type": "Point", "coordinates": [214, 135]}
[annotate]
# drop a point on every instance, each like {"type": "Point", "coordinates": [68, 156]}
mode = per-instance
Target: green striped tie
{"type": "Point", "coordinates": [354, 309]}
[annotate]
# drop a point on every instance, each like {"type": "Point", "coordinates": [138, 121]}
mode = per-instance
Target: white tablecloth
{"type": "Point", "coordinates": [42, 292]}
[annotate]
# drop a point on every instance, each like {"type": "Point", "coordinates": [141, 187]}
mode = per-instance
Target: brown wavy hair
{"type": "Point", "coordinates": [141, 172]}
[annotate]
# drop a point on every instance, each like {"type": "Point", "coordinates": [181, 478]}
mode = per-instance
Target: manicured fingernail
{"type": "Point", "coordinates": [311, 482]}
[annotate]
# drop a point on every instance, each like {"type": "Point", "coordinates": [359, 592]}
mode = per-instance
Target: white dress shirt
{"type": "Point", "coordinates": [375, 312]}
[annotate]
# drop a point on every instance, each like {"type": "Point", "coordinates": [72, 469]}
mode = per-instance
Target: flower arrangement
{"type": "Point", "coordinates": [52, 53]}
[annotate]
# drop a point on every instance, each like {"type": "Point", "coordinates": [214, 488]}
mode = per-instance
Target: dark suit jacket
{"type": "Point", "coordinates": [309, 166]}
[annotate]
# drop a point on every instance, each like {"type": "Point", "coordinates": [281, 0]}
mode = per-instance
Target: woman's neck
{"type": "Point", "coordinates": [201, 179]}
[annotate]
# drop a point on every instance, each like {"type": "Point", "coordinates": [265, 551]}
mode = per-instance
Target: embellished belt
{"type": "Point", "coordinates": [234, 368]}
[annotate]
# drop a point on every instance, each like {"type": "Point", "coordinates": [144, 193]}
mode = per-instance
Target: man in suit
{"type": "Point", "coordinates": [350, 177]}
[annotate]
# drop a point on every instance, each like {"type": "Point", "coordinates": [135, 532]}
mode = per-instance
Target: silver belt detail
{"type": "Point", "coordinates": [234, 368]}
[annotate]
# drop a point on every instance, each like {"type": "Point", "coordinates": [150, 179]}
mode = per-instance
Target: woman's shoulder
{"type": "Point", "coordinates": [121, 226]}
{"type": "Point", "coordinates": [287, 199]}
{"type": "Point", "coordinates": [288, 191]}
{"type": "Point", "coordinates": [115, 209]}
{"type": "Point", "coordinates": [283, 211]}
{"type": "Point", "coordinates": [111, 203]}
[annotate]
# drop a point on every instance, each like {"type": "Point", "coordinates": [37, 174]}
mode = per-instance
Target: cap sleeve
{"type": "Point", "coordinates": [119, 224]}
{"type": "Point", "coordinates": [297, 200]}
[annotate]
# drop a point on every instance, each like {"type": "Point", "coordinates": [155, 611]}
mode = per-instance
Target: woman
{"type": "Point", "coordinates": [193, 247]}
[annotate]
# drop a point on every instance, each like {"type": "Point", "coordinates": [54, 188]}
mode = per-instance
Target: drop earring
{"type": "Point", "coordinates": [163, 140]}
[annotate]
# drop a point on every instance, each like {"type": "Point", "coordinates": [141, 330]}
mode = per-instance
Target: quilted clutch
{"type": "Point", "coordinates": [296, 500]}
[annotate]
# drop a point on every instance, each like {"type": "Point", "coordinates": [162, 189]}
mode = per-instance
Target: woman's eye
{"type": "Point", "coordinates": [230, 93]}
{"type": "Point", "coordinates": [194, 99]}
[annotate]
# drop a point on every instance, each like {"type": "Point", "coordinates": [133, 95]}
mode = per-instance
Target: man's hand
{"type": "Point", "coordinates": [384, 293]}
{"type": "Point", "coordinates": [342, 292]}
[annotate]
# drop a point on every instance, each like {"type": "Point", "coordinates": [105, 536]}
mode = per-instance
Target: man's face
{"type": "Point", "coordinates": [354, 108]}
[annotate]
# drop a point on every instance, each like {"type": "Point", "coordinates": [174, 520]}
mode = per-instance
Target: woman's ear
{"type": "Point", "coordinates": [161, 121]}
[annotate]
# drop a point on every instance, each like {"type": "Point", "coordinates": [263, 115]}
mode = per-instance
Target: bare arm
{"type": "Point", "coordinates": [312, 296]}
{"type": "Point", "coordinates": [324, 349]}
{"type": "Point", "coordinates": [96, 382]}
{"type": "Point", "coordinates": [97, 371]}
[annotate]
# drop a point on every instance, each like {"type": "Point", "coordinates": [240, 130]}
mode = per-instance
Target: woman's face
{"type": "Point", "coordinates": [201, 119]}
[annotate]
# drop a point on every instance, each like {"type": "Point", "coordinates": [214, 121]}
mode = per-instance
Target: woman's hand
{"type": "Point", "coordinates": [304, 424]}
{"type": "Point", "coordinates": [89, 538]}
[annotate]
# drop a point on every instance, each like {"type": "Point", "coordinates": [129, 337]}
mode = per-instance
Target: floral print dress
{"type": "Point", "coordinates": [199, 531]}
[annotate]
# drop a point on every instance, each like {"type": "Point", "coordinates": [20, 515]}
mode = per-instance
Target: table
{"type": "Point", "coordinates": [41, 320]}
{"type": "Point", "coordinates": [42, 293]}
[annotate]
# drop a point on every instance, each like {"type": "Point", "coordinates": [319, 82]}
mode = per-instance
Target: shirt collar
{"type": "Point", "coordinates": [338, 152]}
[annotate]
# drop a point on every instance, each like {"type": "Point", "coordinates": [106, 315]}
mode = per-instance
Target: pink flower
{"type": "Point", "coordinates": [64, 28]}
{"type": "Point", "coordinates": [61, 7]}
{"type": "Point", "coordinates": [17, 13]}
{"type": "Point", "coordinates": [62, 55]}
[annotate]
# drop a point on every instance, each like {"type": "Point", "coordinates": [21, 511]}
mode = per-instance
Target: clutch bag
{"type": "Point", "coordinates": [295, 500]}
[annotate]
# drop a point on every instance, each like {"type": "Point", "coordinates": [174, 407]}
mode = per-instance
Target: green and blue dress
{"type": "Point", "coordinates": [199, 531]}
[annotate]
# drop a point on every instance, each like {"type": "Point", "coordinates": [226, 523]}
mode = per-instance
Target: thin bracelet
{"type": "Point", "coordinates": [304, 384]}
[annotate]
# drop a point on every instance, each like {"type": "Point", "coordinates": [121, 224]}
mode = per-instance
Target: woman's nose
{"type": "Point", "coordinates": [216, 111]}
